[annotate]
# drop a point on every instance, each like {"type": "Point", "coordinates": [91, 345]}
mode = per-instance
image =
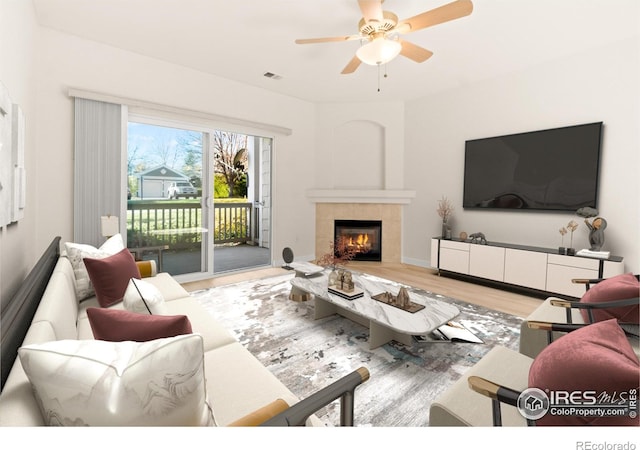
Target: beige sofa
{"type": "Point", "coordinates": [236, 383]}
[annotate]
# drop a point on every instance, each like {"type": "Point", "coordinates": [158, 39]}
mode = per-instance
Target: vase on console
{"type": "Point", "coordinates": [445, 209]}
{"type": "Point", "coordinates": [446, 231]}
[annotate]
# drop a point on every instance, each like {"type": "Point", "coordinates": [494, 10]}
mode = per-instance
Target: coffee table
{"type": "Point", "coordinates": [385, 322]}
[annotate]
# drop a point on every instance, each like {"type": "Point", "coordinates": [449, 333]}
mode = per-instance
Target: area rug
{"type": "Point", "coordinates": [307, 354]}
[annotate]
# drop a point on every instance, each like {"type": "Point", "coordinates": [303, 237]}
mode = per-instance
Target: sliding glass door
{"type": "Point", "coordinates": [167, 215]}
{"type": "Point", "coordinates": [242, 201]}
{"type": "Point", "coordinates": [199, 199]}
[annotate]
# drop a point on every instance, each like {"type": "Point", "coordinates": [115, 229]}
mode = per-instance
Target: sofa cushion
{"type": "Point", "coordinates": [619, 287]}
{"type": "Point", "coordinates": [143, 298]}
{"type": "Point", "coordinates": [110, 276]}
{"type": "Point", "coordinates": [213, 332]}
{"type": "Point", "coordinates": [75, 253]}
{"type": "Point", "coordinates": [100, 383]}
{"type": "Point", "coordinates": [596, 358]}
{"type": "Point", "coordinates": [242, 373]}
{"type": "Point", "coordinates": [118, 325]}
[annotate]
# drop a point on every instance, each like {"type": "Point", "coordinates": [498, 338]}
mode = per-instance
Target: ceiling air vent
{"type": "Point", "coordinates": [272, 75]}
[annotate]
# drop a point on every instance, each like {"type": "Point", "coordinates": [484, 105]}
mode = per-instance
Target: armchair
{"type": "Point", "coordinates": [621, 367]}
{"type": "Point", "coordinates": [616, 297]}
{"type": "Point", "coordinates": [595, 357]}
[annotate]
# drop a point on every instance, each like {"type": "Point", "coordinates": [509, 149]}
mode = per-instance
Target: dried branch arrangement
{"type": "Point", "coordinates": [341, 252]}
{"type": "Point", "coordinates": [445, 208]}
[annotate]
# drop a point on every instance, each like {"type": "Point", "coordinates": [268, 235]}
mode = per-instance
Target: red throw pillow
{"type": "Point", "coordinates": [618, 287]}
{"type": "Point", "coordinates": [120, 325]}
{"type": "Point", "coordinates": [110, 276]}
{"type": "Point", "coordinates": [595, 358]}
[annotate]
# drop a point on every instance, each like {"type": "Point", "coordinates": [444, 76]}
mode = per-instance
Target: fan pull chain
{"type": "Point", "coordinates": [385, 74]}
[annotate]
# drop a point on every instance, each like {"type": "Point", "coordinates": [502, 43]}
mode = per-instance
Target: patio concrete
{"type": "Point", "coordinates": [226, 258]}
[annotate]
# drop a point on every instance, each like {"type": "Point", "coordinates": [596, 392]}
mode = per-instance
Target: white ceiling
{"type": "Point", "coordinates": [243, 39]}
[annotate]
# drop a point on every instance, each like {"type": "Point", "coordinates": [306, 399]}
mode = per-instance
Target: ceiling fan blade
{"type": "Point", "coordinates": [328, 39]}
{"type": "Point", "coordinates": [414, 52]}
{"type": "Point", "coordinates": [371, 10]}
{"type": "Point", "coordinates": [445, 13]}
{"type": "Point", "coordinates": [352, 66]}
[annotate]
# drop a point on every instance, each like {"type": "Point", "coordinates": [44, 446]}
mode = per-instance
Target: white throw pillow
{"type": "Point", "coordinates": [76, 252]}
{"type": "Point", "coordinates": [101, 383]}
{"type": "Point", "coordinates": [133, 300]}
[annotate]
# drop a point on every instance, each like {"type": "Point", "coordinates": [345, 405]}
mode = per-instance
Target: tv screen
{"type": "Point", "coordinates": [555, 169]}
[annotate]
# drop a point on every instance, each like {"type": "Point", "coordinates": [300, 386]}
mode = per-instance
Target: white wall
{"type": "Point", "coordinates": [383, 117]}
{"type": "Point", "coordinates": [69, 62]}
{"type": "Point", "coordinates": [18, 43]}
{"type": "Point", "coordinates": [595, 86]}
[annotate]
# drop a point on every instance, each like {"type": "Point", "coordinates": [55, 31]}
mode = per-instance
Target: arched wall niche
{"type": "Point", "coordinates": [358, 155]}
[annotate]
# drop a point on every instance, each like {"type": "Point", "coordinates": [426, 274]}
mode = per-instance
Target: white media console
{"type": "Point", "coordinates": [517, 266]}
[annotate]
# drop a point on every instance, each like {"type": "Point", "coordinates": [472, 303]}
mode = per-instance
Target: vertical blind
{"type": "Point", "coordinates": [97, 167]}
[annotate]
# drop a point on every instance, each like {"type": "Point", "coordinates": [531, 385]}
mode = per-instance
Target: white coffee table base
{"type": "Point", "coordinates": [378, 334]}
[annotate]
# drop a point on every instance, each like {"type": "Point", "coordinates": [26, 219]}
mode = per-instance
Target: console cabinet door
{"type": "Point", "coordinates": [525, 268]}
{"type": "Point", "coordinates": [486, 262]}
{"type": "Point", "coordinates": [562, 269]}
{"type": "Point", "coordinates": [454, 256]}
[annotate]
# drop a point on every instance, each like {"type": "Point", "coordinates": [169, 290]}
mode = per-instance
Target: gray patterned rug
{"type": "Point", "coordinates": [307, 354]}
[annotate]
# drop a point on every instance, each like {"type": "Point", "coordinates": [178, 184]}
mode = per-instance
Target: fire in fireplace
{"type": "Point", "coordinates": [365, 236]}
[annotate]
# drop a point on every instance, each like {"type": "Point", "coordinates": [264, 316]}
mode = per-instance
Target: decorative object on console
{"type": "Point", "coordinates": [596, 233]}
{"type": "Point", "coordinates": [401, 301]}
{"type": "Point", "coordinates": [445, 210]}
{"type": "Point", "coordinates": [562, 249]}
{"type": "Point", "coordinates": [478, 238]}
{"type": "Point", "coordinates": [463, 236]}
{"type": "Point", "coordinates": [596, 227]}
{"type": "Point", "coordinates": [572, 226]}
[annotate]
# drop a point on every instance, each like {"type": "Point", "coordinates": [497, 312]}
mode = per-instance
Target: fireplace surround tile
{"type": "Point", "coordinates": [389, 214]}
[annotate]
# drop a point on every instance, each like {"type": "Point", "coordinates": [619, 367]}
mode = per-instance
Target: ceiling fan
{"type": "Point", "coordinates": [381, 29]}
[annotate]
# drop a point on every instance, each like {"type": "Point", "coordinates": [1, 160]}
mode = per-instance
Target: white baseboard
{"type": "Point", "coordinates": [417, 262]}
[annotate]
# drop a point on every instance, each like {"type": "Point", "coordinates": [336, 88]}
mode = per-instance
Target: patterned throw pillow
{"type": "Point", "coordinates": [77, 252]}
{"type": "Point", "coordinates": [100, 383]}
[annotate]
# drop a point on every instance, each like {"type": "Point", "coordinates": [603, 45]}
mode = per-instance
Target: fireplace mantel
{"type": "Point", "coordinates": [360, 196]}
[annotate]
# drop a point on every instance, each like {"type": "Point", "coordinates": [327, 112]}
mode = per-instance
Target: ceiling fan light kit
{"type": "Point", "coordinates": [379, 51]}
{"type": "Point", "coordinates": [381, 29]}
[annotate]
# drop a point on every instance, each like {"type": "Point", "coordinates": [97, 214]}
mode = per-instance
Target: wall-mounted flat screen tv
{"type": "Point", "coordinates": [555, 169]}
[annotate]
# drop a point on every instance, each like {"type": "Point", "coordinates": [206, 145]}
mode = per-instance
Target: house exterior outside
{"type": "Point", "coordinates": [154, 183]}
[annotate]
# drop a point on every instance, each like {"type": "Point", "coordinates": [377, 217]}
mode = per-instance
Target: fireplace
{"type": "Point", "coordinates": [364, 236]}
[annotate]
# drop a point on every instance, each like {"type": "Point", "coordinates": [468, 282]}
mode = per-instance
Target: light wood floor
{"type": "Point", "coordinates": [420, 277]}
